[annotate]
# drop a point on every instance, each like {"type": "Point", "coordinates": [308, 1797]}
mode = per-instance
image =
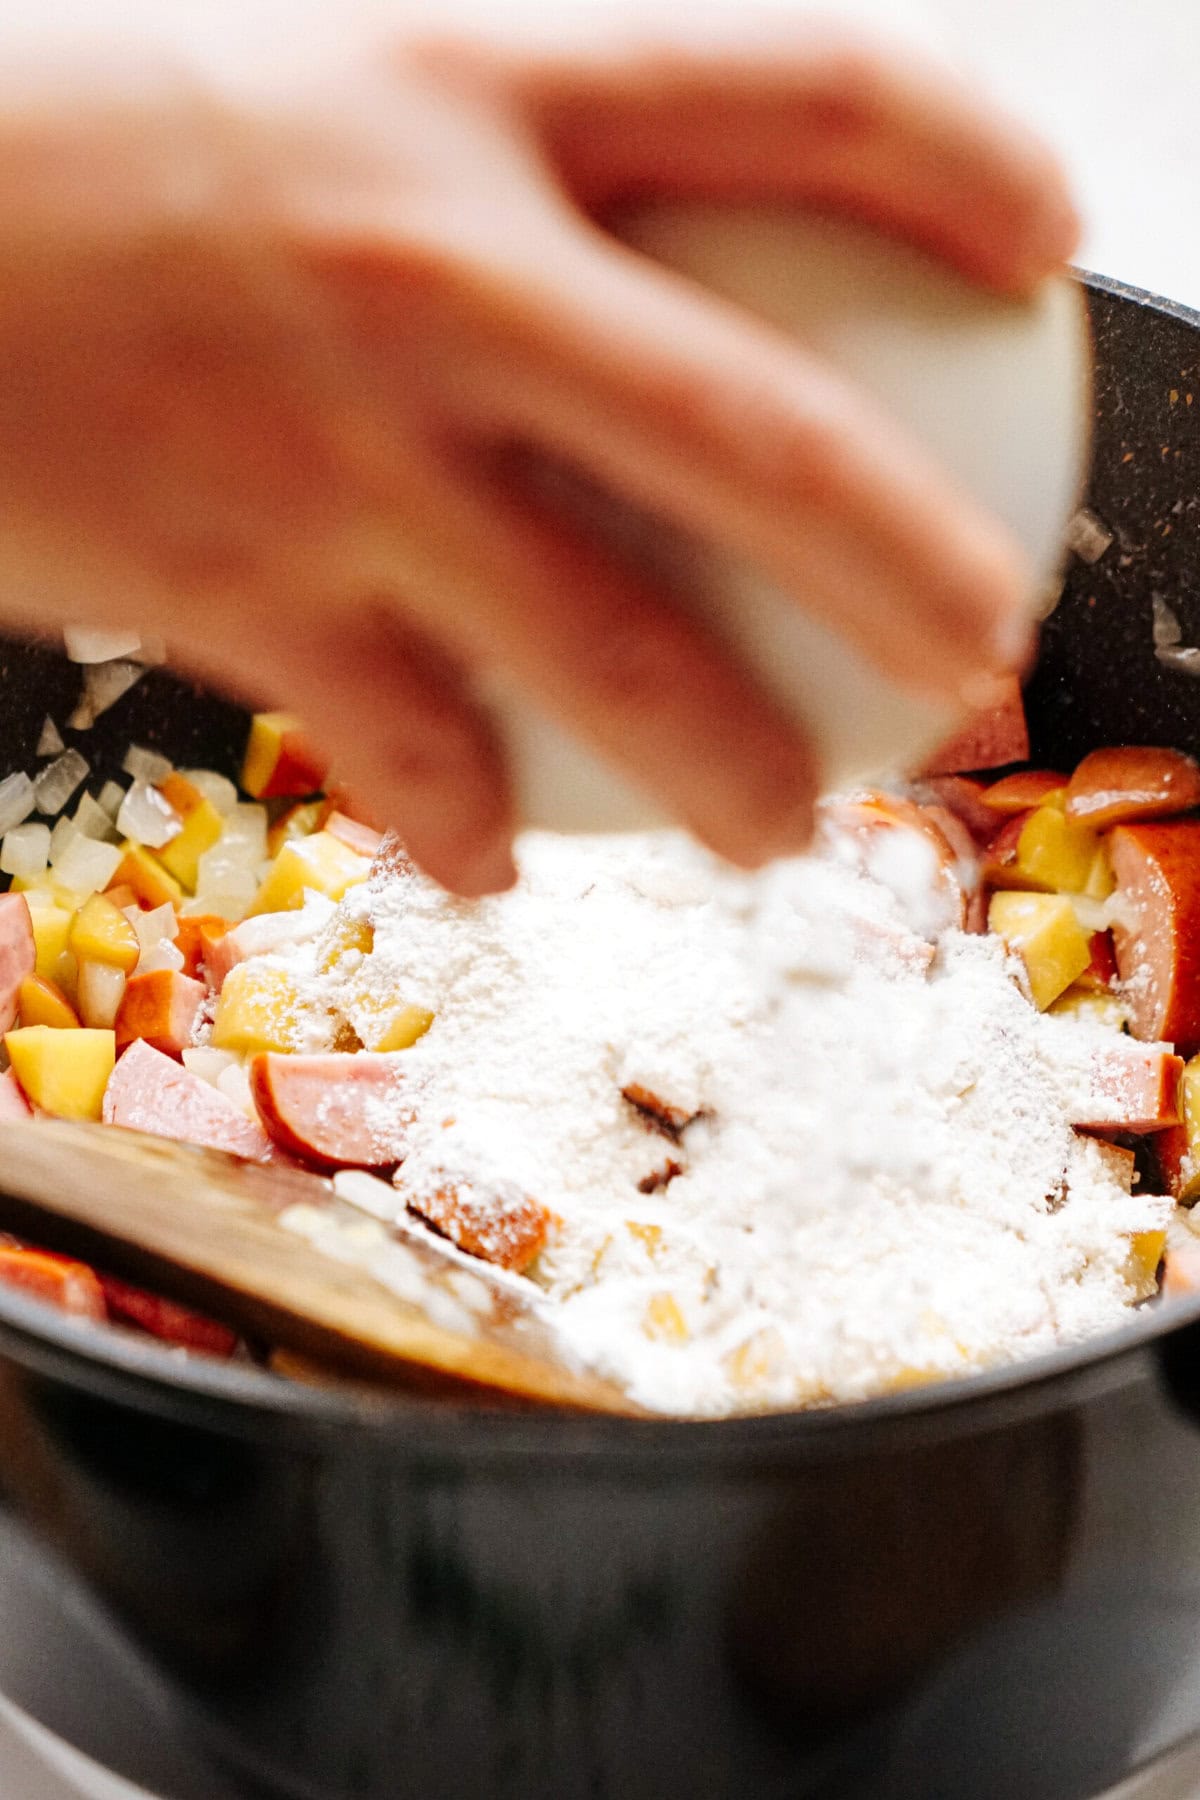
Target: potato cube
{"type": "Point", "coordinates": [319, 862]}
{"type": "Point", "coordinates": [63, 1072]}
{"type": "Point", "coordinates": [1056, 855]}
{"type": "Point", "coordinates": [150, 881]}
{"type": "Point", "coordinates": [202, 826]}
{"type": "Point", "coordinates": [100, 932]}
{"type": "Point", "coordinates": [1043, 931]}
{"type": "Point", "coordinates": [260, 1008]}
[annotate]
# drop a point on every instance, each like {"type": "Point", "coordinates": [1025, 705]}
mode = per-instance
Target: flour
{"type": "Point", "coordinates": [878, 1184]}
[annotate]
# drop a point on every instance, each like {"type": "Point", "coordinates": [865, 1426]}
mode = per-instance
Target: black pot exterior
{"type": "Point", "coordinates": [230, 1587]}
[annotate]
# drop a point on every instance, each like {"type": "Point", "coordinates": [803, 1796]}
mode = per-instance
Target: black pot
{"type": "Point", "coordinates": [226, 1585]}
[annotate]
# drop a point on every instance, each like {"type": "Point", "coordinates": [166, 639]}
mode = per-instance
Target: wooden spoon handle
{"type": "Point", "coordinates": [203, 1228]}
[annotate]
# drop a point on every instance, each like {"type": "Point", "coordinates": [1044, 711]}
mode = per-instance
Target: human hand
{"type": "Point", "coordinates": [285, 297]}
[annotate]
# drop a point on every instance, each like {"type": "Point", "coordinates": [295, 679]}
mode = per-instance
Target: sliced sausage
{"type": "Point", "coordinates": [1020, 792]}
{"type": "Point", "coordinates": [340, 1111]}
{"type": "Point", "coordinates": [166, 1319]}
{"type": "Point", "coordinates": [1132, 782]}
{"type": "Point", "coordinates": [997, 734]}
{"type": "Point", "coordinates": [18, 953]}
{"type": "Point", "coordinates": [1157, 946]}
{"type": "Point", "coordinates": [1133, 1088]}
{"type": "Point", "coordinates": [148, 1091]}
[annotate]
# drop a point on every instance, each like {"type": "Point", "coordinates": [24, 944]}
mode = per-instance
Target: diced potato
{"type": "Point", "coordinates": [1100, 881]}
{"type": "Point", "coordinates": [405, 1025]}
{"type": "Point", "coordinates": [319, 862]}
{"type": "Point", "coordinates": [300, 820]}
{"type": "Point", "coordinates": [279, 760]}
{"type": "Point", "coordinates": [101, 933]}
{"type": "Point", "coordinates": [664, 1321]}
{"type": "Point", "coordinates": [259, 1009]}
{"type": "Point", "coordinates": [1043, 931]}
{"type": "Point", "coordinates": [202, 826]}
{"type": "Point", "coordinates": [1057, 856]}
{"type": "Point", "coordinates": [145, 874]}
{"type": "Point", "coordinates": [63, 1072]}
{"type": "Point", "coordinates": [51, 936]}
{"type": "Point", "coordinates": [1145, 1253]}
{"type": "Point", "coordinates": [758, 1361]}
{"type": "Point", "coordinates": [42, 1002]}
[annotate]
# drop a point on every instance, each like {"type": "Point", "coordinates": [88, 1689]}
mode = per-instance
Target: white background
{"type": "Point", "coordinates": [1116, 85]}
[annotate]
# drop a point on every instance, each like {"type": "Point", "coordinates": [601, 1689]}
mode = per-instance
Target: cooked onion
{"type": "Point", "coordinates": [147, 818]}
{"type": "Point", "coordinates": [51, 741]}
{"type": "Point", "coordinates": [17, 800]}
{"type": "Point", "coordinates": [87, 646]}
{"type": "Point", "coordinates": [24, 851]}
{"type": "Point", "coordinates": [146, 765]}
{"type": "Point", "coordinates": [58, 781]}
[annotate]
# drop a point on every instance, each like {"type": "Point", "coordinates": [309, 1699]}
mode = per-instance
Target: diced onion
{"type": "Point", "coordinates": [147, 818]}
{"type": "Point", "coordinates": [151, 926]}
{"type": "Point", "coordinates": [51, 741]}
{"type": "Point", "coordinates": [103, 685]}
{"type": "Point", "coordinates": [58, 781]}
{"type": "Point", "coordinates": [209, 1064]}
{"type": "Point", "coordinates": [87, 866]}
{"type": "Point", "coordinates": [17, 800]}
{"type": "Point", "coordinates": [99, 989]}
{"type": "Point", "coordinates": [163, 955]}
{"type": "Point", "coordinates": [110, 798]}
{"type": "Point", "coordinates": [91, 819]}
{"type": "Point", "coordinates": [62, 837]}
{"type": "Point", "coordinates": [24, 851]}
{"type": "Point", "coordinates": [244, 836]}
{"type": "Point", "coordinates": [217, 789]}
{"type": "Point", "coordinates": [234, 1083]}
{"type": "Point", "coordinates": [87, 646]}
{"type": "Point", "coordinates": [146, 765]}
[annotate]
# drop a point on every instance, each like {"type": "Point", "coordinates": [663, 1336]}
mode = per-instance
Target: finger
{"type": "Point", "coordinates": [696, 411]}
{"type": "Point", "coordinates": [609, 656]}
{"type": "Point", "coordinates": [393, 714]}
{"type": "Point", "coordinates": [746, 106]}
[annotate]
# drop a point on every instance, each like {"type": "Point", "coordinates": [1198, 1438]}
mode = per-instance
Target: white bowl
{"type": "Point", "coordinates": [998, 390]}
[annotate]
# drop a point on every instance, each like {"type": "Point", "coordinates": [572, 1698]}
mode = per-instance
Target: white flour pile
{"type": "Point", "coordinates": [882, 1185]}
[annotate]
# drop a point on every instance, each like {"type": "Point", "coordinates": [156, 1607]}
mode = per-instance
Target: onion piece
{"type": "Point", "coordinates": [163, 955]}
{"type": "Point", "coordinates": [209, 1064]}
{"type": "Point", "coordinates": [17, 800]}
{"type": "Point", "coordinates": [218, 790]}
{"type": "Point", "coordinates": [151, 926]}
{"type": "Point", "coordinates": [91, 819]}
{"type": "Point", "coordinates": [110, 798]}
{"type": "Point", "coordinates": [62, 837]}
{"type": "Point", "coordinates": [24, 851]}
{"type": "Point", "coordinates": [103, 685]}
{"type": "Point", "coordinates": [58, 781]}
{"type": "Point", "coordinates": [87, 646]}
{"type": "Point", "coordinates": [99, 989]}
{"type": "Point", "coordinates": [51, 741]}
{"type": "Point", "coordinates": [147, 818]}
{"type": "Point", "coordinates": [146, 765]}
{"type": "Point", "coordinates": [86, 866]}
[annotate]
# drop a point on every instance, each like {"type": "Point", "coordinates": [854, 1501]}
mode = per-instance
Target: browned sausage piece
{"type": "Point", "coordinates": [1158, 948]}
{"type": "Point", "coordinates": [1131, 781]}
{"type": "Point", "coordinates": [497, 1223]}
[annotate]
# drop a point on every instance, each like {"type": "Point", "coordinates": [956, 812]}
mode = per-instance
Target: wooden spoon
{"type": "Point", "coordinates": [204, 1228]}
